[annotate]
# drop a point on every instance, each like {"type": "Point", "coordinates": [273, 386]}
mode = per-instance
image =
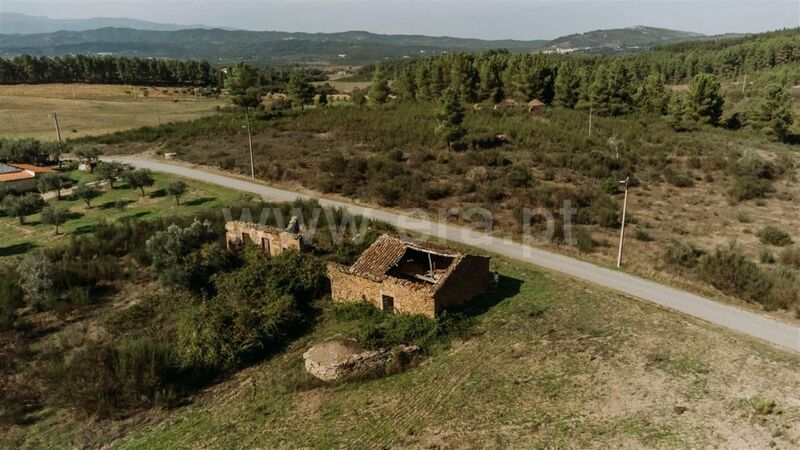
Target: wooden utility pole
{"type": "Point", "coordinates": [744, 84]}
{"type": "Point", "coordinates": [158, 114]}
{"type": "Point", "coordinates": [622, 226]}
{"type": "Point", "coordinates": [250, 143]}
{"type": "Point", "coordinates": [58, 130]}
{"type": "Point", "coordinates": [58, 137]}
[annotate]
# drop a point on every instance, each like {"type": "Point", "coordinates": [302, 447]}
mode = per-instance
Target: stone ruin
{"type": "Point", "coordinates": [272, 240]}
{"type": "Point", "coordinates": [341, 358]}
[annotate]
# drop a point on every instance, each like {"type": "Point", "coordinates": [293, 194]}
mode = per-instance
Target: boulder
{"type": "Point", "coordinates": [342, 358]}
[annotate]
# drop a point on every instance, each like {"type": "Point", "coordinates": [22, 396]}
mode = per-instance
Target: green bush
{"type": "Point", "coordinates": [584, 241]}
{"type": "Point", "coordinates": [774, 236]}
{"type": "Point", "coordinates": [375, 329]}
{"type": "Point", "coordinates": [11, 297]}
{"type": "Point", "coordinates": [678, 178]}
{"type": "Point", "coordinates": [731, 272]}
{"type": "Point", "coordinates": [748, 188]}
{"type": "Point", "coordinates": [220, 335]}
{"type": "Point", "coordinates": [114, 380]}
{"type": "Point", "coordinates": [682, 255]}
{"type": "Point", "coordinates": [519, 176]}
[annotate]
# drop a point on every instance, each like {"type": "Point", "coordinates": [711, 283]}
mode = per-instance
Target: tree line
{"type": "Point", "coordinates": [28, 69]}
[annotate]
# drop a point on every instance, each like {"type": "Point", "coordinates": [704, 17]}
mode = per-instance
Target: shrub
{"type": "Point", "coordinates": [791, 257]}
{"type": "Point", "coordinates": [682, 255]}
{"type": "Point", "coordinates": [114, 380]}
{"type": "Point", "coordinates": [679, 178]}
{"type": "Point", "coordinates": [519, 176]}
{"type": "Point", "coordinates": [731, 272]}
{"type": "Point", "coordinates": [11, 297]}
{"type": "Point", "coordinates": [221, 334]}
{"type": "Point", "coordinates": [766, 256]}
{"type": "Point", "coordinates": [642, 235]}
{"type": "Point", "coordinates": [774, 236]}
{"type": "Point", "coordinates": [375, 329]}
{"type": "Point", "coordinates": [172, 253]}
{"type": "Point", "coordinates": [610, 186]}
{"type": "Point", "coordinates": [748, 188]}
{"type": "Point", "coordinates": [584, 241]}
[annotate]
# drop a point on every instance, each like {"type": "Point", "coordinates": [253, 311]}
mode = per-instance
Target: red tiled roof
{"type": "Point", "coordinates": [15, 176]}
{"type": "Point", "coordinates": [32, 168]}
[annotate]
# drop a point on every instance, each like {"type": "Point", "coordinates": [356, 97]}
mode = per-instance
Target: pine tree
{"type": "Point", "coordinates": [299, 89]}
{"type": "Point", "coordinates": [422, 80]}
{"type": "Point", "coordinates": [652, 95]}
{"type": "Point", "coordinates": [242, 85]}
{"type": "Point", "coordinates": [619, 82]}
{"type": "Point", "coordinates": [379, 88]}
{"type": "Point", "coordinates": [567, 87]}
{"type": "Point", "coordinates": [599, 96]}
{"type": "Point", "coordinates": [464, 77]}
{"type": "Point", "coordinates": [491, 86]}
{"type": "Point", "coordinates": [705, 99]}
{"type": "Point", "coordinates": [450, 117]}
{"type": "Point", "coordinates": [676, 112]}
{"type": "Point", "coordinates": [406, 85]}
{"type": "Point", "coordinates": [774, 113]}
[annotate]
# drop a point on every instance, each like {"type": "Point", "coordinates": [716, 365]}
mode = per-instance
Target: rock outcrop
{"type": "Point", "coordinates": [341, 358]}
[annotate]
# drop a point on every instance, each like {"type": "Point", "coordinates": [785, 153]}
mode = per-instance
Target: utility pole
{"type": "Point", "coordinates": [58, 137]}
{"type": "Point", "coordinates": [250, 143]}
{"type": "Point", "coordinates": [622, 226]}
{"type": "Point", "coordinates": [744, 84]}
{"type": "Point", "coordinates": [590, 120]}
{"type": "Point", "coordinates": [158, 114]}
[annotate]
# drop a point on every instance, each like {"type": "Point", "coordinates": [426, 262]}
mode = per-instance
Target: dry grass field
{"type": "Point", "coordinates": [83, 109]}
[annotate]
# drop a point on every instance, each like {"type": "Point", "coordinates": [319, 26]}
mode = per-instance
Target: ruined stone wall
{"type": "Point", "coordinates": [468, 280]}
{"type": "Point", "coordinates": [409, 298]}
{"type": "Point", "coordinates": [272, 240]}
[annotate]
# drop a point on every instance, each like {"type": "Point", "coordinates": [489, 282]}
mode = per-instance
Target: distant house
{"type": "Point", "coordinates": [21, 177]}
{"type": "Point", "coordinates": [536, 106]}
{"type": "Point", "coordinates": [410, 277]}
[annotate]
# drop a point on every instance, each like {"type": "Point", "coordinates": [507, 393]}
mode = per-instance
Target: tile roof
{"type": "Point", "coordinates": [15, 176]}
{"type": "Point", "coordinates": [34, 169]}
{"type": "Point", "coordinates": [387, 251]}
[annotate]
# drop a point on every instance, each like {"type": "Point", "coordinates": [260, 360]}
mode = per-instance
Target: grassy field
{"type": "Point", "coordinates": [549, 363]}
{"type": "Point", "coordinates": [26, 110]}
{"type": "Point", "coordinates": [21, 238]}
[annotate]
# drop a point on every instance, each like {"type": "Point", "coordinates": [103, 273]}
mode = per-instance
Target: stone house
{"type": "Point", "coordinates": [272, 240]}
{"type": "Point", "coordinates": [410, 277]}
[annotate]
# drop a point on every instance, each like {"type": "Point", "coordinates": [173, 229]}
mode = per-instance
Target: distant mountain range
{"type": "Point", "coordinates": [131, 37]}
{"type": "Point", "coordinates": [16, 23]}
{"type": "Point", "coordinates": [351, 47]}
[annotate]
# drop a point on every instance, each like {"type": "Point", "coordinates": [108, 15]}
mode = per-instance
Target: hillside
{"type": "Point", "coordinates": [619, 40]}
{"type": "Point", "coordinates": [353, 47]}
{"type": "Point", "coordinates": [350, 47]}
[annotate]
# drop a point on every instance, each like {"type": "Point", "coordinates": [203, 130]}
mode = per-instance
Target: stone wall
{"type": "Point", "coordinates": [469, 279]}
{"type": "Point", "coordinates": [272, 240]}
{"type": "Point", "coordinates": [409, 297]}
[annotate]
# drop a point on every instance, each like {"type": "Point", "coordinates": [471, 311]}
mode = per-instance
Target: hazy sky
{"type": "Point", "coordinates": [470, 18]}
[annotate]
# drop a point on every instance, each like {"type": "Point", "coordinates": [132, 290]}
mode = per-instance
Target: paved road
{"type": "Point", "coordinates": [752, 324]}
